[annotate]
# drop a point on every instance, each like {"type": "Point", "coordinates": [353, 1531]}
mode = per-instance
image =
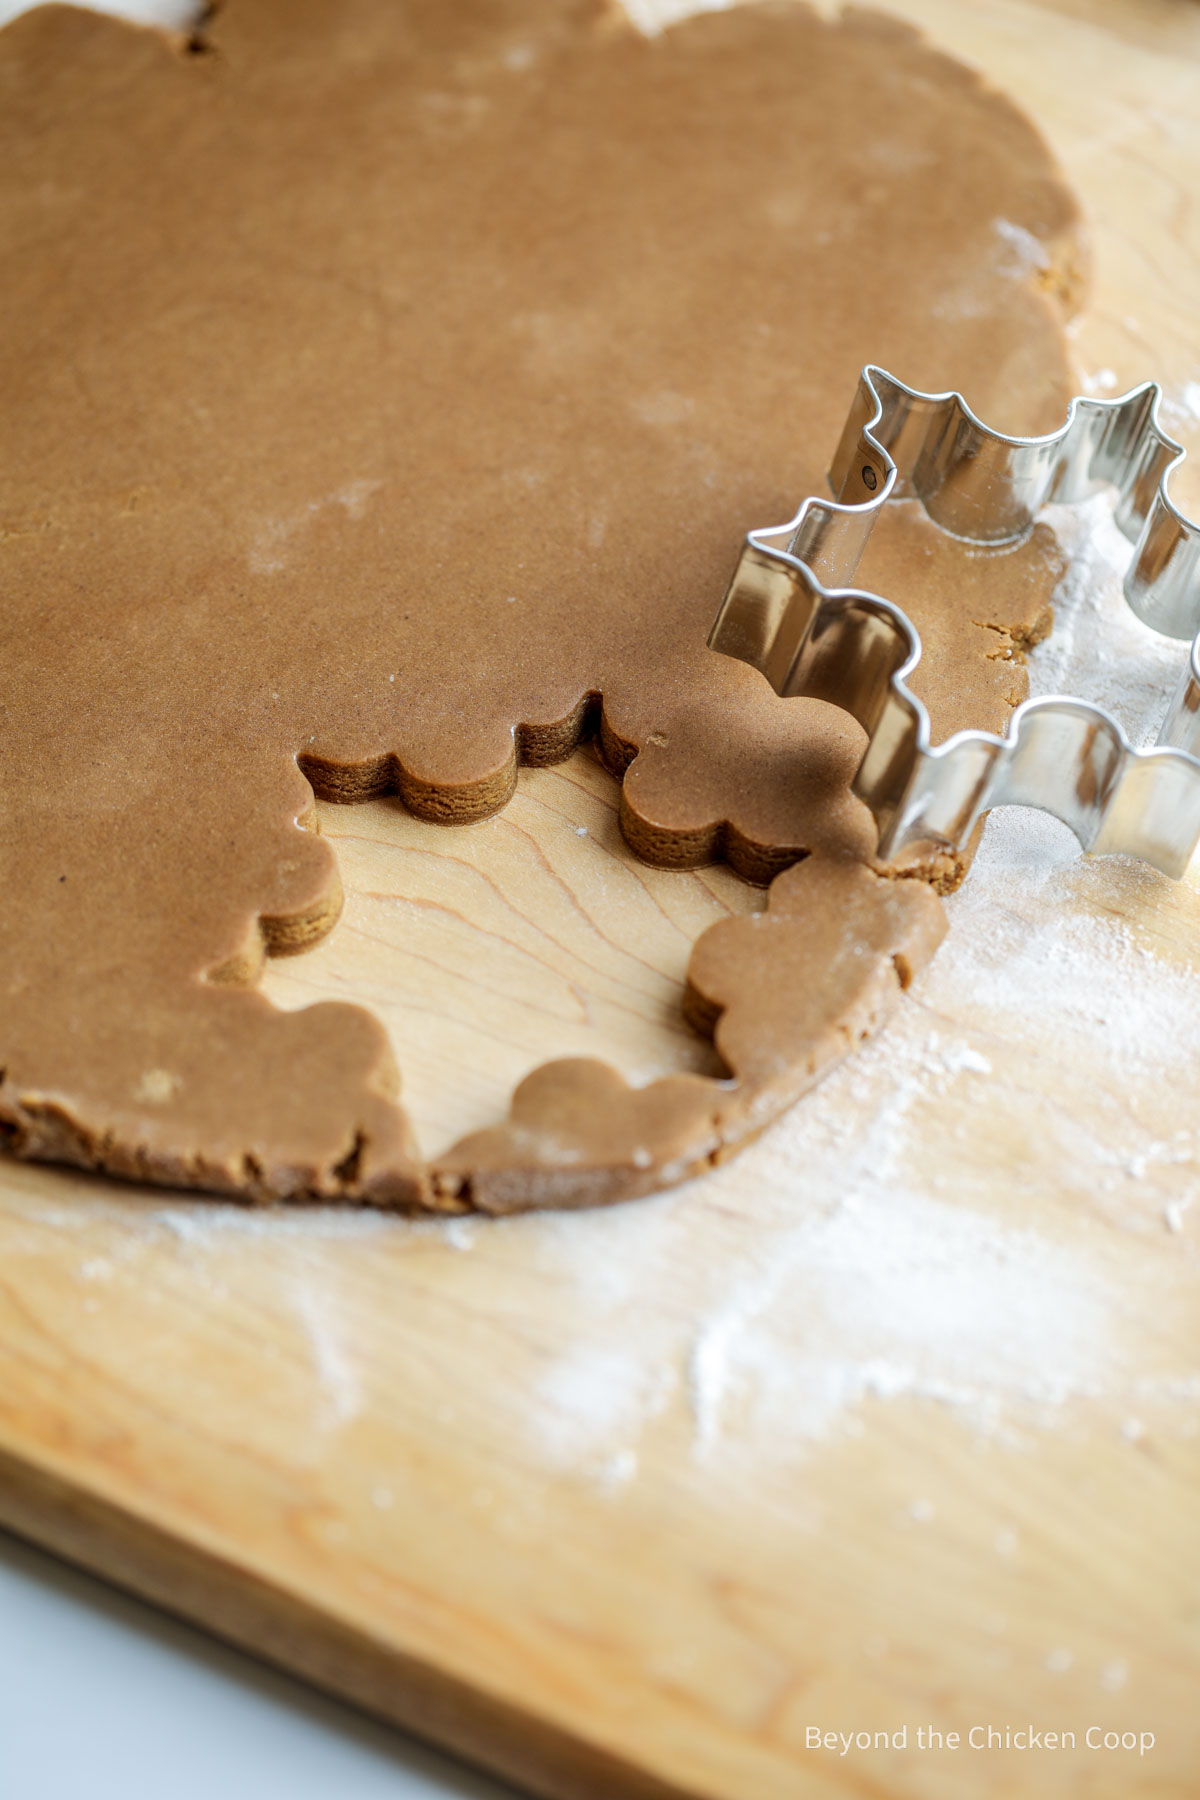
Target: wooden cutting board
{"type": "Point", "coordinates": [888, 1427]}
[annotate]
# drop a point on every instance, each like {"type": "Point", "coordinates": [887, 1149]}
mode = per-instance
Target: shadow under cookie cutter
{"type": "Point", "coordinates": [789, 613]}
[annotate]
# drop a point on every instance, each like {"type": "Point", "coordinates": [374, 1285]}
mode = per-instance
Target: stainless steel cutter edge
{"type": "Point", "coordinates": [788, 613]}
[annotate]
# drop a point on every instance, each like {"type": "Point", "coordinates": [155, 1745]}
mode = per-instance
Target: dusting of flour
{"type": "Point", "coordinates": [875, 1262]}
{"type": "Point", "coordinates": [862, 1256]}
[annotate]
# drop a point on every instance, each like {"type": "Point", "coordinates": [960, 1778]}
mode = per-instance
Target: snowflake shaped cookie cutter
{"type": "Point", "coordinates": [789, 613]}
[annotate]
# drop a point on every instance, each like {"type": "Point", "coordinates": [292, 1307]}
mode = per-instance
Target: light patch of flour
{"type": "Point", "coordinates": [335, 1372]}
{"type": "Point", "coordinates": [208, 1224]}
{"type": "Point", "coordinates": [598, 1392]}
{"type": "Point", "coordinates": [1027, 255]}
{"type": "Point", "coordinates": [269, 549]}
{"type": "Point", "coordinates": [1098, 650]}
{"type": "Point", "coordinates": [1179, 408]}
{"type": "Point", "coordinates": [816, 1305]}
{"type": "Point", "coordinates": [903, 1295]}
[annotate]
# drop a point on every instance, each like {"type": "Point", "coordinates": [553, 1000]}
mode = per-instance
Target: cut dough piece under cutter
{"type": "Point", "coordinates": [789, 613]}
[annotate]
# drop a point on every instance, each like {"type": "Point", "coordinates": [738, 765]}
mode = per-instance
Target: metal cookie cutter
{"type": "Point", "coordinates": [789, 613]}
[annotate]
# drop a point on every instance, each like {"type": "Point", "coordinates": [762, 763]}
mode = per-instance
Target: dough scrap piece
{"type": "Point", "coordinates": [784, 993]}
{"type": "Point", "coordinates": [384, 388]}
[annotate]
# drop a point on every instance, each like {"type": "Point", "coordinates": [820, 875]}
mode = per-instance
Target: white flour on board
{"type": "Point", "coordinates": [768, 1316]}
{"type": "Point", "coordinates": [889, 1279]}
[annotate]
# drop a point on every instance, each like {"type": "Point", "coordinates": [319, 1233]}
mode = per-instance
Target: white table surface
{"type": "Point", "coordinates": [103, 1698]}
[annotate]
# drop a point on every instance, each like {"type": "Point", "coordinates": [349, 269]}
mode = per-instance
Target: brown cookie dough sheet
{"type": "Point", "coordinates": [387, 389]}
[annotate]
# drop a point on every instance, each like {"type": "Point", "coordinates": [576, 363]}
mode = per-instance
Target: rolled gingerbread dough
{"type": "Point", "coordinates": [387, 390]}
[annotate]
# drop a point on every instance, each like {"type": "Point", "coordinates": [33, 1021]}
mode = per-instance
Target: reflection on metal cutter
{"type": "Point", "coordinates": [789, 613]}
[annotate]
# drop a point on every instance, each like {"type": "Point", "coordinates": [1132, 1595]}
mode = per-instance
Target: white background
{"type": "Point", "coordinates": [102, 1698]}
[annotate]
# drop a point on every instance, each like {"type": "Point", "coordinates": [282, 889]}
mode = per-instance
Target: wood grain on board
{"type": "Point", "coordinates": [889, 1425]}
